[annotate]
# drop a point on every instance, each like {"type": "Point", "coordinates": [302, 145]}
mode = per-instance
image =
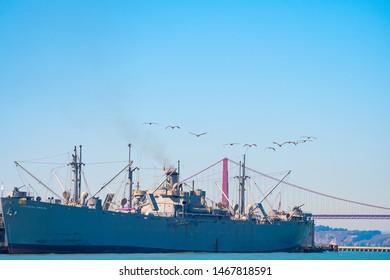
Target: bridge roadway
{"type": "Point", "coordinates": [363, 249]}
{"type": "Point", "coordinates": [351, 217]}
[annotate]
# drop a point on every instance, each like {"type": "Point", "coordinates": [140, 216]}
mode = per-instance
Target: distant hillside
{"type": "Point", "coordinates": [324, 235]}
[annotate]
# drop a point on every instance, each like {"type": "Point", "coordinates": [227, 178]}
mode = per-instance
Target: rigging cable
{"type": "Point", "coordinates": [34, 160]}
{"type": "Point", "coordinates": [39, 181]}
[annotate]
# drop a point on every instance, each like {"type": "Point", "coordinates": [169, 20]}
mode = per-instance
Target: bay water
{"type": "Point", "coordinates": [327, 255]}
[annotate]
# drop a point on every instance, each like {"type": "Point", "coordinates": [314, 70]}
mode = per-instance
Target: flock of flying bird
{"type": "Point", "coordinates": [303, 139]}
{"type": "Point", "coordinates": [177, 127]}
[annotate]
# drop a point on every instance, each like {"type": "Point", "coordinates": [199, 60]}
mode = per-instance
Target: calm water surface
{"type": "Point", "coordinates": [207, 256]}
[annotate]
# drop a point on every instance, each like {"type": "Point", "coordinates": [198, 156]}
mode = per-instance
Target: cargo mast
{"type": "Point", "coordinates": [131, 179]}
{"type": "Point", "coordinates": [242, 179]}
{"type": "Point", "coordinates": [76, 165]}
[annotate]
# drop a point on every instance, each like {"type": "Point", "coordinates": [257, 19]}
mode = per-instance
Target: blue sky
{"type": "Point", "coordinates": [91, 72]}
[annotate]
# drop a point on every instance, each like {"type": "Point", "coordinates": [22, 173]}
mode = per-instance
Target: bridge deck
{"type": "Point", "coordinates": [364, 249]}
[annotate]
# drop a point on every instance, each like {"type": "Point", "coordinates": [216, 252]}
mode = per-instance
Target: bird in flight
{"type": "Point", "coordinates": [150, 123]}
{"type": "Point", "coordinates": [270, 148]}
{"type": "Point", "coordinates": [290, 142]}
{"type": "Point", "coordinates": [250, 145]}
{"type": "Point", "coordinates": [173, 126]}
{"type": "Point", "coordinates": [197, 135]}
{"type": "Point", "coordinates": [231, 144]}
{"type": "Point", "coordinates": [309, 137]}
{"type": "Point", "coordinates": [280, 145]}
{"type": "Point", "coordinates": [304, 141]}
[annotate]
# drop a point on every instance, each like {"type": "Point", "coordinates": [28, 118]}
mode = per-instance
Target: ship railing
{"type": "Point", "coordinates": [192, 214]}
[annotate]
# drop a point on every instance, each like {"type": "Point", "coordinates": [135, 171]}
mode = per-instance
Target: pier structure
{"type": "Point", "coordinates": [337, 248]}
{"type": "Point", "coordinates": [363, 249]}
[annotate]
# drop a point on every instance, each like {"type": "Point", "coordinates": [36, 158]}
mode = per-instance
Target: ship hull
{"type": "Point", "coordinates": [39, 227]}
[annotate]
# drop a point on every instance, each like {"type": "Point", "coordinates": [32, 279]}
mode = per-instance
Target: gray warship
{"type": "Point", "coordinates": [164, 219]}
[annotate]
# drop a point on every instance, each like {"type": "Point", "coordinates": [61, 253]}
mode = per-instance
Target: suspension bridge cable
{"type": "Point", "coordinates": [315, 192]}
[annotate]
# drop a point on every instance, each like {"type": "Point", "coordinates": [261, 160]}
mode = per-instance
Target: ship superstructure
{"type": "Point", "coordinates": [168, 218]}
